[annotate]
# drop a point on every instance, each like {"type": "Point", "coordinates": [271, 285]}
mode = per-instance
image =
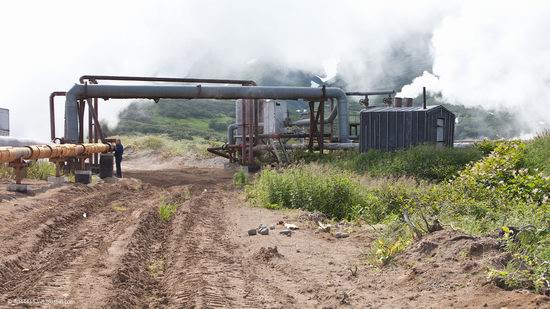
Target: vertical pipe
{"type": "Point", "coordinates": [90, 134]}
{"type": "Point", "coordinates": [243, 134]}
{"type": "Point", "coordinates": [322, 125]}
{"type": "Point", "coordinates": [52, 111]}
{"type": "Point", "coordinates": [90, 117]}
{"type": "Point", "coordinates": [81, 108]}
{"type": "Point", "coordinates": [311, 124]}
{"type": "Point", "coordinates": [95, 125]}
{"type": "Point", "coordinates": [424, 97]}
{"type": "Point", "coordinates": [332, 122]}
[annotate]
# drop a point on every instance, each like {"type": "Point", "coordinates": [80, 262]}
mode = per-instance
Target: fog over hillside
{"type": "Point", "coordinates": [491, 53]}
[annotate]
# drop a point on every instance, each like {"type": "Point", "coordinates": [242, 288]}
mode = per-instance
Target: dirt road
{"type": "Point", "coordinates": [105, 245]}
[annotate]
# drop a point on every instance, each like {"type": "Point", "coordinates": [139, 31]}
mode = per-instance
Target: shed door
{"type": "Point", "coordinates": [440, 132]}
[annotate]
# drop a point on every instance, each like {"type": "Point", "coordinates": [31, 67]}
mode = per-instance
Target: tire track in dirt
{"type": "Point", "coordinates": [73, 255]}
{"type": "Point", "coordinates": [202, 268]}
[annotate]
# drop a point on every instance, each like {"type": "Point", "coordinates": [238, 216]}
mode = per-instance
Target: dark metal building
{"type": "Point", "coordinates": [392, 128]}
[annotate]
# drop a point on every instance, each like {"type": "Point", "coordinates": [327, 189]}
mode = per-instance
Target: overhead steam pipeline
{"type": "Point", "coordinates": [52, 151]}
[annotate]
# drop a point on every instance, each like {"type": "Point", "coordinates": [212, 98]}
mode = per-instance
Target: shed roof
{"type": "Point", "coordinates": [376, 109]}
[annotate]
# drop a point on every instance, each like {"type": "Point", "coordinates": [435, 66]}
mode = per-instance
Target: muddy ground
{"type": "Point", "coordinates": [104, 245]}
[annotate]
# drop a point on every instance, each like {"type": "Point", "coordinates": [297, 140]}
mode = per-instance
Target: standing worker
{"type": "Point", "coordinates": [119, 150]}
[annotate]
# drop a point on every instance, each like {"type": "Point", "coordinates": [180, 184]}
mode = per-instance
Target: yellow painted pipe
{"type": "Point", "coordinates": [10, 154]}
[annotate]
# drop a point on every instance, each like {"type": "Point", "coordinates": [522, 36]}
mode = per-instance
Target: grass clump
{"type": "Point", "coordinates": [333, 192]}
{"type": "Point", "coordinates": [41, 170]}
{"type": "Point", "coordinates": [167, 210]}
{"type": "Point", "coordinates": [240, 179]}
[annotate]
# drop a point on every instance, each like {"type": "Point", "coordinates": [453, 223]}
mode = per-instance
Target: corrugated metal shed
{"type": "Point", "coordinates": [392, 128]}
{"type": "Point", "coordinates": [4, 122]}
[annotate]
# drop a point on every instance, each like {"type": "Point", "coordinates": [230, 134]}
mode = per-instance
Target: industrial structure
{"type": "Point", "coordinates": [263, 124]}
{"type": "Point", "coordinates": [392, 128]}
{"type": "Point", "coordinates": [4, 122]}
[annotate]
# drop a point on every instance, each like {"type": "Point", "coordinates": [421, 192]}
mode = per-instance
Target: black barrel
{"type": "Point", "coordinates": [105, 165]}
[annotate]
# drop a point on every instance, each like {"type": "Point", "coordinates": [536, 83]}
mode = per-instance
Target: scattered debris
{"type": "Point", "coordinates": [315, 216]}
{"type": "Point", "coordinates": [264, 231]}
{"type": "Point", "coordinates": [84, 215]}
{"type": "Point", "coordinates": [251, 232]}
{"type": "Point", "coordinates": [291, 226]}
{"type": "Point", "coordinates": [286, 232]}
{"type": "Point", "coordinates": [272, 227]}
{"type": "Point", "coordinates": [280, 222]}
{"type": "Point", "coordinates": [266, 254]}
{"type": "Point", "coordinates": [323, 227]}
{"type": "Point", "coordinates": [341, 235]}
{"type": "Point", "coordinates": [354, 270]}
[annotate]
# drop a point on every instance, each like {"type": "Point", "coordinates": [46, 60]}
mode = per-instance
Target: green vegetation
{"type": "Point", "coordinates": [503, 191]}
{"type": "Point", "coordinates": [167, 146]}
{"type": "Point", "coordinates": [423, 162]}
{"type": "Point", "coordinates": [39, 169]}
{"type": "Point", "coordinates": [240, 179]}
{"type": "Point", "coordinates": [536, 153]}
{"type": "Point", "coordinates": [178, 119]}
{"type": "Point", "coordinates": [167, 210]}
{"type": "Point", "coordinates": [308, 187]}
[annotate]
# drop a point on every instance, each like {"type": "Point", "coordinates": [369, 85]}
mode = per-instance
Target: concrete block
{"type": "Point", "coordinates": [250, 169]}
{"type": "Point", "coordinates": [230, 166]}
{"type": "Point", "coordinates": [84, 177]}
{"type": "Point", "coordinates": [57, 180]}
{"type": "Point", "coordinates": [13, 187]}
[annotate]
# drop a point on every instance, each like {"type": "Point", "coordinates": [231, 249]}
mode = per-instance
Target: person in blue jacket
{"type": "Point", "coordinates": [119, 150]}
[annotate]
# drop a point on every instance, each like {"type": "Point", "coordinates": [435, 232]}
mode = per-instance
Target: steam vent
{"type": "Point", "coordinates": [402, 125]}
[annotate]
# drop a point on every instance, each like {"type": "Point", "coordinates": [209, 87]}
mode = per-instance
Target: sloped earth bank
{"type": "Point", "coordinates": [105, 246]}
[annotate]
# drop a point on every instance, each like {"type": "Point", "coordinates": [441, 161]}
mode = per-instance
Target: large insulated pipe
{"type": "Point", "coordinates": [52, 151]}
{"type": "Point", "coordinates": [199, 92]}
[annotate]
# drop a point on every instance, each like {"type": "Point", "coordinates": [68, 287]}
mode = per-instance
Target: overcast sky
{"type": "Point", "coordinates": [487, 48]}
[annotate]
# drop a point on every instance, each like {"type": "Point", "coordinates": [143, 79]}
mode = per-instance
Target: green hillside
{"type": "Point", "coordinates": [179, 119]}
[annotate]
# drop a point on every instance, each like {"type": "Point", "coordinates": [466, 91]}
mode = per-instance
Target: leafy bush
{"type": "Point", "coordinates": [536, 153]}
{"type": "Point", "coordinates": [486, 146]}
{"type": "Point", "coordinates": [152, 143]}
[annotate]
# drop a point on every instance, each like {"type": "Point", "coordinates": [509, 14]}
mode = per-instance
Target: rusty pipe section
{"type": "Point", "coordinates": [54, 151]}
{"type": "Point", "coordinates": [94, 78]}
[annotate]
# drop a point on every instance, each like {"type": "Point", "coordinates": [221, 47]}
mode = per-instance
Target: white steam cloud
{"type": "Point", "coordinates": [495, 55]}
{"type": "Point", "coordinates": [487, 53]}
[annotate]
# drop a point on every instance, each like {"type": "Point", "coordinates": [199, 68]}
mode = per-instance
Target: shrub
{"type": "Point", "coordinates": [536, 153]}
{"type": "Point", "coordinates": [152, 143]}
